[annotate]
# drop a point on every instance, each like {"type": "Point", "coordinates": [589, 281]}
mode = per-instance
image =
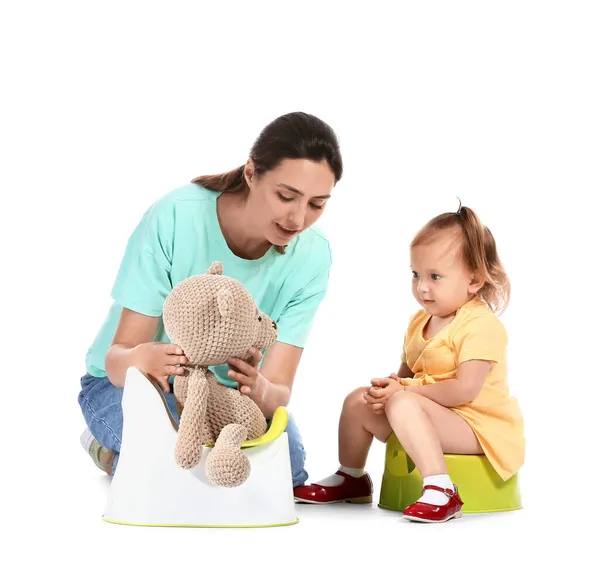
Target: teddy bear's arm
{"type": "Point", "coordinates": [180, 390]}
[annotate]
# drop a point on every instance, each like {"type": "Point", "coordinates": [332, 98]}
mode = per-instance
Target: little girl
{"type": "Point", "coordinates": [450, 394]}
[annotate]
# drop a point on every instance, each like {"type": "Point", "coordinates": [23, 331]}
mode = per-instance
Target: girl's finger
{"type": "Point", "coordinates": [382, 383]}
{"type": "Point", "coordinates": [370, 399]}
{"type": "Point", "coordinates": [376, 408]}
{"type": "Point", "coordinates": [377, 393]}
{"type": "Point", "coordinates": [245, 390]}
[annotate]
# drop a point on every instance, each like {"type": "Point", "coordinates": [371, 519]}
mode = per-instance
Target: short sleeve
{"type": "Point", "coordinates": [295, 322]}
{"type": "Point", "coordinates": [481, 337]}
{"type": "Point", "coordinates": [144, 278]}
{"type": "Point", "coordinates": [410, 331]}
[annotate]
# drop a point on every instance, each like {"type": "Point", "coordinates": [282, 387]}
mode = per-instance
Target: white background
{"type": "Point", "coordinates": [108, 106]}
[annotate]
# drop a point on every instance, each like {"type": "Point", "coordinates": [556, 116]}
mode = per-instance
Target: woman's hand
{"type": "Point", "coordinates": [247, 375]}
{"type": "Point", "coordinates": [159, 360]}
{"type": "Point", "coordinates": [379, 393]}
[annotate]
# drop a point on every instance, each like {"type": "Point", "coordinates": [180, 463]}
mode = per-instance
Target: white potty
{"type": "Point", "coordinates": [150, 489]}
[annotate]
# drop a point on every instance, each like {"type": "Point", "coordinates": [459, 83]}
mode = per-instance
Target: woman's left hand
{"type": "Point", "coordinates": [247, 375]}
{"type": "Point", "coordinates": [379, 393]}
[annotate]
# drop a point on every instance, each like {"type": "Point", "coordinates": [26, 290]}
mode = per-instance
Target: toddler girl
{"type": "Point", "coordinates": [450, 394]}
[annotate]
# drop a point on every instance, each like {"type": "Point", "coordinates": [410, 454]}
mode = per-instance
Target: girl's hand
{"type": "Point", "coordinates": [247, 375]}
{"type": "Point", "coordinates": [159, 360]}
{"type": "Point", "coordinates": [379, 393]}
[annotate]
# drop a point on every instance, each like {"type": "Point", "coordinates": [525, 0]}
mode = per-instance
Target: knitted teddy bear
{"type": "Point", "coordinates": [212, 317]}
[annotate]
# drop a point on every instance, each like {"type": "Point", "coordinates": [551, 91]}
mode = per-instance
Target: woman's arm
{"type": "Point", "coordinates": [271, 385]}
{"type": "Point", "coordinates": [279, 370]}
{"type": "Point", "coordinates": [133, 346]}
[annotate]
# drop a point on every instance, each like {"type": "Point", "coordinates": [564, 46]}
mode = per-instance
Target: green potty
{"type": "Point", "coordinates": [480, 487]}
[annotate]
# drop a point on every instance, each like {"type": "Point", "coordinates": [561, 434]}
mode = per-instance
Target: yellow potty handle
{"type": "Point", "coordinates": [278, 424]}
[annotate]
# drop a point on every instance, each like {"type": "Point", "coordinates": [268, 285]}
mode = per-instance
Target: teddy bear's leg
{"type": "Point", "coordinates": [228, 405]}
{"type": "Point", "coordinates": [247, 413]}
{"type": "Point", "coordinates": [226, 465]}
{"type": "Point", "coordinates": [188, 448]}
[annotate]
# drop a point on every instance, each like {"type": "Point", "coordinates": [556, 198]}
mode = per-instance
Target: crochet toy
{"type": "Point", "coordinates": [212, 317]}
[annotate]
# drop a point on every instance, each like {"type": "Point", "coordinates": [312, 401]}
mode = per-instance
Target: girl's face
{"type": "Point", "coordinates": [441, 283]}
{"type": "Point", "coordinates": [288, 199]}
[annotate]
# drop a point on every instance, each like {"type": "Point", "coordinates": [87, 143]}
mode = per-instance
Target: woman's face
{"type": "Point", "coordinates": [288, 199]}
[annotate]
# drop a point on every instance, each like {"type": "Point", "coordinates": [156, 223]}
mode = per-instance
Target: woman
{"type": "Point", "coordinates": [257, 221]}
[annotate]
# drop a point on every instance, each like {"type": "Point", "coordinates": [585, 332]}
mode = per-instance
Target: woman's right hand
{"type": "Point", "coordinates": [159, 360]}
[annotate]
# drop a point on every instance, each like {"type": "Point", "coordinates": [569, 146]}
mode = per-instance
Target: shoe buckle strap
{"type": "Point", "coordinates": [449, 493]}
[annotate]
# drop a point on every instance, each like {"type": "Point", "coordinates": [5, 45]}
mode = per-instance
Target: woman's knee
{"type": "Point", "coordinates": [297, 453]}
{"type": "Point", "coordinates": [295, 439]}
{"type": "Point", "coordinates": [100, 403]}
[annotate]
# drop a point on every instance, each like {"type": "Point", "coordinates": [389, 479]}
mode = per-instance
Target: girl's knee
{"type": "Point", "coordinates": [355, 401]}
{"type": "Point", "coordinates": [403, 402]}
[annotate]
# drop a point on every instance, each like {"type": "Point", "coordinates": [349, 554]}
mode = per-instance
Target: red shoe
{"type": "Point", "coordinates": [353, 490]}
{"type": "Point", "coordinates": [426, 512]}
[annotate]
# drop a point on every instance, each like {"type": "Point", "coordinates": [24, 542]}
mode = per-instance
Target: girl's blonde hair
{"type": "Point", "coordinates": [477, 250]}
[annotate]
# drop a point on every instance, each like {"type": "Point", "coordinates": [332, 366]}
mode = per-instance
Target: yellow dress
{"type": "Point", "coordinates": [475, 333]}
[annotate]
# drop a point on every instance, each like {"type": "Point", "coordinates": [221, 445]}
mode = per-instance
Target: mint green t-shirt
{"type": "Point", "coordinates": [179, 237]}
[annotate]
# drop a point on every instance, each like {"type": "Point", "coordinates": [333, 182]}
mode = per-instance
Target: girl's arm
{"type": "Point", "coordinates": [405, 372]}
{"type": "Point", "coordinates": [455, 392]}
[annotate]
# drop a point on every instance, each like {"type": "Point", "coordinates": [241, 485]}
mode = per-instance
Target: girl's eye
{"type": "Point", "coordinates": [318, 207]}
{"type": "Point", "coordinates": [436, 277]}
{"type": "Point", "coordinates": [414, 274]}
{"type": "Point", "coordinates": [283, 198]}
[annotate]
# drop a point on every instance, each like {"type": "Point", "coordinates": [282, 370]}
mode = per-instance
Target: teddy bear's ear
{"type": "Point", "coordinates": [225, 301]}
{"type": "Point", "coordinates": [216, 269]}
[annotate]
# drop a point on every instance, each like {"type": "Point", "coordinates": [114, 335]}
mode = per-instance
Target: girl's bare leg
{"type": "Point", "coordinates": [427, 430]}
{"type": "Point", "coordinates": [358, 425]}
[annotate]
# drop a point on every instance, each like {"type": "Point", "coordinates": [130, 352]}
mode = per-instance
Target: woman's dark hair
{"type": "Point", "coordinates": [291, 136]}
